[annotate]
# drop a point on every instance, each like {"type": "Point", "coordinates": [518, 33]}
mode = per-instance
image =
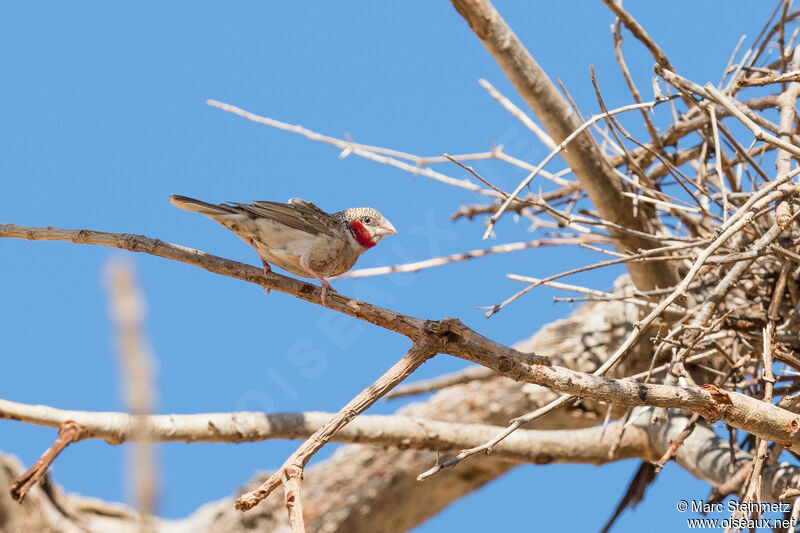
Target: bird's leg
{"type": "Point", "coordinates": [325, 285]}
{"type": "Point", "coordinates": [267, 270]}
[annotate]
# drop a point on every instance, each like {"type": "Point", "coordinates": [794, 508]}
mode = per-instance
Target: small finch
{"type": "Point", "coordinates": [298, 236]}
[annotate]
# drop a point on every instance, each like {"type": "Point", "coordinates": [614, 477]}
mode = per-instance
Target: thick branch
{"type": "Point", "coordinates": [405, 325]}
{"type": "Point", "coordinates": [534, 446]}
{"type": "Point", "coordinates": [452, 337]}
{"type": "Point", "coordinates": [582, 154]}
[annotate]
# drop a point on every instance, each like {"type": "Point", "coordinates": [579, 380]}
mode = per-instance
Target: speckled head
{"type": "Point", "coordinates": [368, 225]}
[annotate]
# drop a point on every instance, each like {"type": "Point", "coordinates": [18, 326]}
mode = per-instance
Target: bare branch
{"type": "Point", "coordinates": [471, 373]}
{"type": "Point", "coordinates": [519, 114]}
{"type": "Point", "coordinates": [293, 466]}
{"type": "Point", "coordinates": [583, 155]}
{"type": "Point", "coordinates": [416, 266]}
{"type": "Point", "coordinates": [69, 431]}
{"type": "Point", "coordinates": [373, 153]}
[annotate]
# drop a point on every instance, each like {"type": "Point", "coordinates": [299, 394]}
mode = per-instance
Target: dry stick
{"type": "Point", "coordinates": [612, 451]}
{"type": "Point", "coordinates": [391, 157]}
{"type": "Point", "coordinates": [597, 249]}
{"type": "Point", "coordinates": [651, 129]}
{"type": "Point", "coordinates": [600, 295]}
{"type": "Point", "coordinates": [688, 221]}
{"type": "Point", "coordinates": [733, 169]}
{"type": "Point", "coordinates": [743, 216]}
{"type": "Point", "coordinates": [643, 182]}
{"type": "Point", "coordinates": [730, 61]}
{"type": "Point", "coordinates": [648, 253]}
{"type": "Point", "coordinates": [127, 305]}
{"type": "Point", "coordinates": [733, 484]}
{"type": "Point", "coordinates": [551, 108]}
{"type": "Point", "coordinates": [633, 166]}
{"type": "Point", "coordinates": [754, 487]}
{"type": "Point", "coordinates": [768, 35]}
{"type": "Point", "coordinates": [687, 125]}
{"type": "Point", "coordinates": [416, 266]}
{"type": "Point", "coordinates": [735, 257]}
{"type": "Point", "coordinates": [718, 154]}
{"type": "Point", "coordinates": [525, 182]}
{"type": "Point", "coordinates": [632, 163]}
{"type": "Point", "coordinates": [473, 373]}
{"type": "Point", "coordinates": [758, 132]}
{"type": "Point", "coordinates": [418, 354]}
{"type": "Point", "coordinates": [731, 106]}
{"type": "Point", "coordinates": [639, 32]}
{"type": "Point", "coordinates": [477, 176]}
{"type": "Point", "coordinates": [731, 87]}
{"type": "Point", "coordinates": [781, 34]}
{"type": "Point", "coordinates": [662, 204]}
{"type": "Point", "coordinates": [704, 314]}
{"type": "Point", "coordinates": [569, 220]}
{"type": "Point", "coordinates": [378, 430]}
{"type": "Point", "coordinates": [456, 339]}
{"type": "Point", "coordinates": [70, 431]}
{"type": "Point", "coordinates": [769, 79]}
{"type": "Point", "coordinates": [783, 161]}
{"type": "Point", "coordinates": [373, 153]}
{"type": "Point", "coordinates": [742, 151]}
{"type": "Point", "coordinates": [788, 103]}
{"type": "Point", "coordinates": [519, 205]}
{"type": "Point", "coordinates": [676, 443]}
{"type": "Point", "coordinates": [680, 178]}
{"type": "Point", "coordinates": [788, 254]}
{"type": "Point", "coordinates": [518, 113]}
{"type": "Point", "coordinates": [291, 478]}
{"type": "Point", "coordinates": [497, 153]}
{"type": "Point", "coordinates": [453, 337]}
{"type": "Point", "coordinates": [557, 178]}
{"type": "Point", "coordinates": [411, 327]}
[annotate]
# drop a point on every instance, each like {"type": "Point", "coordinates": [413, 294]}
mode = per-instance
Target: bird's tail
{"type": "Point", "coordinates": [199, 206]}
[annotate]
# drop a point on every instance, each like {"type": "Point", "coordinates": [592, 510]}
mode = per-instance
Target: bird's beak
{"type": "Point", "coordinates": [385, 228]}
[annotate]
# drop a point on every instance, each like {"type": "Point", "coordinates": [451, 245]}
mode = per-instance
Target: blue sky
{"type": "Point", "coordinates": [104, 116]}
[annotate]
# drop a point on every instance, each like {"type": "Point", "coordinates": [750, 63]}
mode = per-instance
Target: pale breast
{"type": "Point", "coordinates": [283, 247]}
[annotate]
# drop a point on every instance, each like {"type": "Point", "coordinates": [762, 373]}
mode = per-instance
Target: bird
{"type": "Point", "coordinates": [298, 236]}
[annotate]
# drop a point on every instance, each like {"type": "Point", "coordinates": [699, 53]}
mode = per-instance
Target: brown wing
{"type": "Point", "coordinates": [297, 214]}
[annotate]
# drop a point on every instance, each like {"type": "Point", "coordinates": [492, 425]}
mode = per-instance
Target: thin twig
{"type": "Point", "coordinates": [473, 373]}
{"type": "Point", "coordinates": [519, 114]}
{"type": "Point", "coordinates": [374, 153]}
{"type": "Point", "coordinates": [70, 431]}
{"type": "Point", "coordinates": [525, 182]}
{"type": "Point", "coordinates": [676, 443]}
{"type": "Point", "coordinates": [743, 216]}
{"type": "Point", "coordinates": [416, 266]}
{"type": "Point", "coordinates": [417, 355]}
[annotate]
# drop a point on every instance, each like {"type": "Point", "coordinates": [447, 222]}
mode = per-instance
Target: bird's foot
{"type": "Point", "coordinates": [267, 270]}
{"type": "Point", "coordinates": [324, 282]}
{"type": "Point", "coordinates": [325, 288]}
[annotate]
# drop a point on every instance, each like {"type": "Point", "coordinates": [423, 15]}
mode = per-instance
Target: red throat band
{"type": "Point", "coordinates": [361, 234]}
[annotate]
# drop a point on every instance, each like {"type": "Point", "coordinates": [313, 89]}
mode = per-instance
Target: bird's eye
{"type": "Point", "coordinates": [366, 220]}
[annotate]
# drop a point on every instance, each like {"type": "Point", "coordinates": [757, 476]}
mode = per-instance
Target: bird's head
{"type": "Point", "coordinates": [368, 225]}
